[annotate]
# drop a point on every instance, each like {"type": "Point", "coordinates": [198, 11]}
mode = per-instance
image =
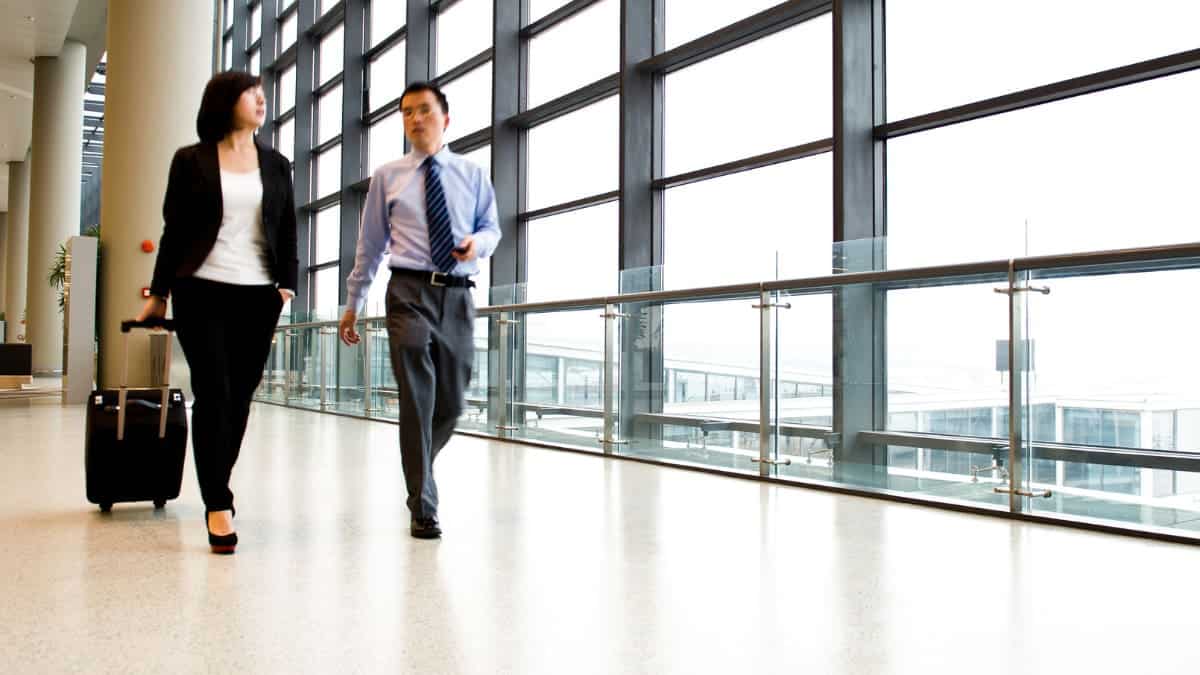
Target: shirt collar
{"type": "Point", "coordinates": [440, 157]}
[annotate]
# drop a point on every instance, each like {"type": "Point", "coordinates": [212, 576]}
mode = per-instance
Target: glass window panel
{"type": "Point", "coordinates": [482, 157]}
{"type": "Point", "coordinates": [256, 23]}
{"type": "Point", "coordinates": [463, 31]}
{"type": "Point", "coordinates": [556, 275]}
{"type": "Point", "coordinates": [328, 172]}
{"type": "Point", "coordinates": [770, 222]}
{"type": "Point", "coordinates": [254, 68]}
{"type": "Point", "coordinates": [326, 5]}
{"type": "Point", "coordinates": [325, 293]}
{"type": "Point", "coordinates": [385, 141]}
{"type": "Point", "coordinates": [574, 156]}
{"type": "Point", "coordinates": [227, 14]}
{"type": "Point", "coordinates": [227, 54]}
{"type": "Point", "coordinates": [588, 41]}
{"type": "Point", "coordinates": [386, 76]}
{"type": "Point", "coordinates": [470, 99]}
{"type": "Point", "coordinates": [541, 379]}
{"type": "Point", "coordinates": [1109, 170]}
{"type": "Point", "coordinates": [1001, 47]}
{"type": "Point", "coordinates": [331, 55]}
{"type": "Point", "coordinates": [287, 31]}
{"type": "Point", "coordinates": [583, 384]}
{"type": "Point", "coordinates": [776, 116]}
{"type": "Point", "coordinates": [326, 235]}
{"type": "Point", "coordinates": [287, 89]}
{"type": "Point", "coordinates": [387, 17]}
{"type": "Point", "coordinates": [540, 8]}
{"type": "Point", "coordinates": [329, 115]}
{"type": "Point", "coordinates": [688, 19]}
{"type": "Point", "coordinates": [943, 340]}
{"type": "Point", "coordinates": [285, 141]}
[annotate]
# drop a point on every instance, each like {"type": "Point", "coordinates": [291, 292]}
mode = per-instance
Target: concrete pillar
{"type": "Point", "coordinates": [16, 270]}
{"type": "Point", "coordinates": [54, 192]}
{"type": "Point", "coordinates": [159, 59]}
{"type": "Point", "coordinates": [3, 263]}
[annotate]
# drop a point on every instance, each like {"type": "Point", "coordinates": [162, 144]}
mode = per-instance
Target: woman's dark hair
{"type": "Point", "coordinates": [428, 86]}
{"type": "Point", "coordinates": [215, 119]}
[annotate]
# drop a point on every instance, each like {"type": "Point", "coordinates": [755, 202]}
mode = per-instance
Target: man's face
{"type": "Point", "coordinates": [424, 120]}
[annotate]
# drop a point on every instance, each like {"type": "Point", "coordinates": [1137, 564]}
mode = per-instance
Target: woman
{"type": "Point", "coordinates": [227, 259]}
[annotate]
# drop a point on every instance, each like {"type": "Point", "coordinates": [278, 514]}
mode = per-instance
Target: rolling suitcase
{"type": "Point", "coordinates": [136, 438]}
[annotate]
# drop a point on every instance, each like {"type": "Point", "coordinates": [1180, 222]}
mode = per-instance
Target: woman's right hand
{"type": "Point", "coordinates": [155, 307]}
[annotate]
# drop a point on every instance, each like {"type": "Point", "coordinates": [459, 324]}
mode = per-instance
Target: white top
{"type": "Point", "coordinates": [240, 254]}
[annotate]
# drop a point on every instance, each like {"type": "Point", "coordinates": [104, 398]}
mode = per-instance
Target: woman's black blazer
{"type": "Point", "coordinates": [192, 212]}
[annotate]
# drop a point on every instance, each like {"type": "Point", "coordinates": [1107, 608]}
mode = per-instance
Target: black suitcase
{"type": "Point", "coordinates": [136, 438]}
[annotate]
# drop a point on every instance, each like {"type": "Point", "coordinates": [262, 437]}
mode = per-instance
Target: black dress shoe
{"type": "Point", "coordinates": [221, 544]}
{"type": "Point", "coordinates": [425, 528]}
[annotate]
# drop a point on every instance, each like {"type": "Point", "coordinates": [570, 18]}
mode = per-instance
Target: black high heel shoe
{"type": "Point", "coordinates": [223, 544]}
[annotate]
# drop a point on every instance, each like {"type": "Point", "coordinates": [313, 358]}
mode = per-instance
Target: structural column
{"type": "Point", "coordinates": [54, 198]}
{"type": "Point", "coordinates": [16, 265]}
{"type": "Point", "coordinates": [859, 312]}
{"type": "Point", "coordinates": [3, 263]}
{"type": "Point", "coordinates": [159, 60]}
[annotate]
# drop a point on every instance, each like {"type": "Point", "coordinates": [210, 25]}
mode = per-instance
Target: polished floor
{"type": "Point", "coordinates": [552, 562]}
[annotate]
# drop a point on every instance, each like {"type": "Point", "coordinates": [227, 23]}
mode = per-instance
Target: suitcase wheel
{"type": "Point", "coordinates": [160, 504]}
{"type": "Point", "coordinates": [105, 508]}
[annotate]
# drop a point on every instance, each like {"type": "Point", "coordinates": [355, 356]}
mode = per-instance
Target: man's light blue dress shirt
{"type": "Point", "coordinates": [394, 224]}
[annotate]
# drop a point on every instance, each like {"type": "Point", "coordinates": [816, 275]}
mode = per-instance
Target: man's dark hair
{"type": "Point", "coordinates": [221, 95]}
{"type": "Point", "coordinates": [416, 87]}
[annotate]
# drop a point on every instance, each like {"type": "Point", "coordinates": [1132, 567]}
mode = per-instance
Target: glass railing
{"type": "Point", "coordinates": [889, 381]}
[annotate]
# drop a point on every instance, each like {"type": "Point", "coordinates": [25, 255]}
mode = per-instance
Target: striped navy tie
{"type": "Point", "coordinates": [441, 237]}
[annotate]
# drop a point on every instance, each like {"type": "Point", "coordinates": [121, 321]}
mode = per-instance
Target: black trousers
{"type": "Point", "coordinates": [431, 335]}
{"type": "Point", "coordinates": [225, 331]}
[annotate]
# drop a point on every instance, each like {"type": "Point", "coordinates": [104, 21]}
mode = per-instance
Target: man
{"type": "Point", "coordinates": [434, 214]}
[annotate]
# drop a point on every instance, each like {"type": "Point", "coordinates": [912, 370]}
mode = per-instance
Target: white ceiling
{"type": "Point", "coordinates": [20, 41]}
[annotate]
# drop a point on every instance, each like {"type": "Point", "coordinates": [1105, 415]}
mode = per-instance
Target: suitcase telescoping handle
{"type": "Point", "coordinates": [152, 322]}
{"type": "Point", "coordinates": [122, 393]}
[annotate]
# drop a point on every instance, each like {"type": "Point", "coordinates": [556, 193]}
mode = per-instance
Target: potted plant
{"type": "Point", "coordinates": [58, 268]}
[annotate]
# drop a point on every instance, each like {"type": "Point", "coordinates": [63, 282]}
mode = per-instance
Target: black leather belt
{"type": "Point", "coordinates": [435, 278]}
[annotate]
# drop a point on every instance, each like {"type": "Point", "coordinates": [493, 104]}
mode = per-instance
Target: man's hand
{"type": "Point", "coordinates": [465, 250]}
{"type": "Point", "coordinates": [155, 307]}
{"type": "Point", "coordinates": [285, 295]}
{"type": "Point", "coordinates": [346, 327]}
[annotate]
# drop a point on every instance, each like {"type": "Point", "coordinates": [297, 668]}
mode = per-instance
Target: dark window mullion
{"type": "Point", "coordinates": [329, 85]}
{"type": "Point", "coordinates": [438, 6]}
{"type": "Point", "coordinates": [472, 141]}
{"type": "Point", "coordinates": [239, 59]}
{"type": "Point", "coordinates": [731, 37]}
{"type": "Point", "coordinates": [391, 41]}
{"type": "Point", "coordinates": [328, 22]}
{"type": "Point", "coordinates": [287, 58]}
{"type": "Point", "coordinates": [478, 61]}
{"type": "Point", "coordinates": [1056, 91]}
{"type": "Point", "coordinates": [568, 103]}
{"type": "Point", "coordinates": [324, 202]}
{"type": "Point", "coordinates": [303, 112]}
{"type": "Point", "coordinates": [385, 110]}
{"type": "Point", "coordinates": [555, 18]}
{"type": "Point", "coordinates": [326, 145]}
{"type": "Point", "coordinates": [352, 136]}
{"type": "Point", "coordinates": [573, 205]}
{"type": "Point", "coordinates": [746, 164]}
